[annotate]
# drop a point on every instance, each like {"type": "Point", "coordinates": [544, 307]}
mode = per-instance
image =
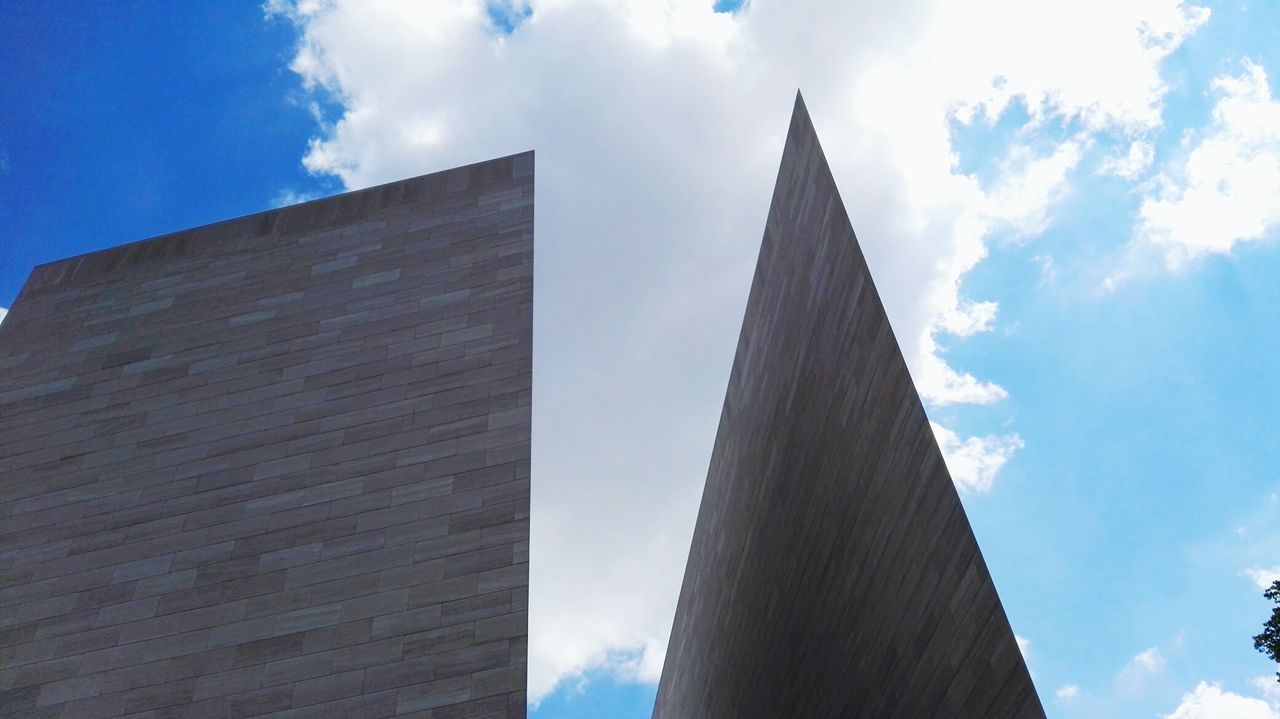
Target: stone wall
{"type": "Point", "coordinates": [276, 466]}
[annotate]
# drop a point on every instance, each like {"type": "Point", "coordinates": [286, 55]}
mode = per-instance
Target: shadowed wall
{"type": "Point", "coordinates": [833, 572]}
{"type": "Point", "coordinates": [278, 465]}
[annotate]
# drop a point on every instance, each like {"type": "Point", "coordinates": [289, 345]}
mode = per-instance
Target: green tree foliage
{"type": "Point", "coordinates": [1268, 642]}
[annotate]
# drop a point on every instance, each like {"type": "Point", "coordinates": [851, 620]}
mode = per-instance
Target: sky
{"type": "Point", "coordinates": [1071, 209]}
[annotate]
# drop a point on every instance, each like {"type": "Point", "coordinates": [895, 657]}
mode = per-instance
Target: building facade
{"type": "Point", "coordinates": [833, 572]}
{"type": "Point", "coordinates": [279, 466]}
{"type": "Point", "coordinates": [276, 466]}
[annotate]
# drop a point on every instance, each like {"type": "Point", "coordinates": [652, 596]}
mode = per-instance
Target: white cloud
{"type": "Point", "coordinates": [1263, 577]}
{"type": "Point", "coordinates": [1067, 693]}
{"type": "Point", "coordinates": [1132, 164]}
{"type": "Point", "coordinates": [287, 197]}
{"type": "Point", "coordinates": [1115, 85]}
{"type": "Point", "coordinates": [3, 312]}
{"type": "Point", "coordinates": [974, 462]}
{"type": "Point", "coordinates": [1269, 688]}
{"type": "Point", "coordinates": [658, 127]}
{"type": "Point", "coordinates": [1225, 189]}
{"type": "Point", "coordinates": [940, 384]}
{"type": "Point", "coordinates": [1147, 663]}
{"type": "Point", "coordinates": [1048, 270]}
{"type": "Point", "coordinates": [1030, 185]}
{"type": "Point", "coordinates": [1209, 701]}
{"type": "Point", "coordinates": [1024, 646]}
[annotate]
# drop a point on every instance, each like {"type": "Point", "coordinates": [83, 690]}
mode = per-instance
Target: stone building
{"type": "Point", "coordinates": [279, 466]}
{"type": "Point", "coordinates": [833, 572]}
{"type": "Point", "coordinates": [276, 466]}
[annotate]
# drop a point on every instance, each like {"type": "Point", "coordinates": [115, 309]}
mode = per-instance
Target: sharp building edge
{"type": "Point", "coordinates": [277, 465]}
{"type": "Point", "coordinates": [833, 572]}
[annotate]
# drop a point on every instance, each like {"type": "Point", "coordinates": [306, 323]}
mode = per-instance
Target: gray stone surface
{"type": "Point", "coordinates": [276, 466]}
{"type": "Point", "coordinates": [833, 572]}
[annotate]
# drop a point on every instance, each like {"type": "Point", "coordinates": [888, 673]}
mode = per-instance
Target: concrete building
{"type": "Point", "coordinates": [833, 572]}
{"type": "Point", "coordinates": [276, 466]}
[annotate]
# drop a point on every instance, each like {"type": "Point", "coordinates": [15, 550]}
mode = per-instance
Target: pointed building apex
{"type": "Point", "coordinates": [800, 110]}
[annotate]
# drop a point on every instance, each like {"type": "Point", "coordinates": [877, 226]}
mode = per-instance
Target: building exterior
{"type": "Point", "coordinates": [833, 572]}
{"type": "Point", "coordinates": [279, 466]}
{"type": "Point", "coordinates": [276, 466]}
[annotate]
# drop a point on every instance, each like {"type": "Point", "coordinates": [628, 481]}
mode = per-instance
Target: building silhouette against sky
{"type": "Point", "coordinates": [833, 572]}
{"type": "Point", "coordinates": [279, 466]}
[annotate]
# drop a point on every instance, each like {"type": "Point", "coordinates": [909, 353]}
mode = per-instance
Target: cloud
{"type": "Point", "coordinates": [1031, 185]}
{"type": "Point", "coordinates": [1131, 165]}
{"type": "Point", "coordinates": [1225, 188]}
{"type": "Point", "coordinates": [1048, 270]}
{"type": "Point", "coordinates": [1270, 690]}
{"type": "Point", "coordinates": [1024, 646]}
{"type": "Point", "coordinates": [1067, 693]}
{"type": "Point", "coordinates": [287, 197]}
{"type": "Point", "coordinates": [974, 462]}
{"type": "Point", "coordinates": [658, 127]}
{"type": "Point", "coordinates": [1209, 701]}
{"type": "Point", "coordinates": [3, 312]}
{"type": "Point", "coordinates": [1264, 577]}
{"type": "Point", "coordinates": [1147, 663]}
{"type": "Point", "coordinates": [1115, 86]}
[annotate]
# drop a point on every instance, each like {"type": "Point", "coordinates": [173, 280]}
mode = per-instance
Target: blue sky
{"type": "Point", "coordinates": [121, 122]}
{"type": "Point", "coordinates": [1071, 217]}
